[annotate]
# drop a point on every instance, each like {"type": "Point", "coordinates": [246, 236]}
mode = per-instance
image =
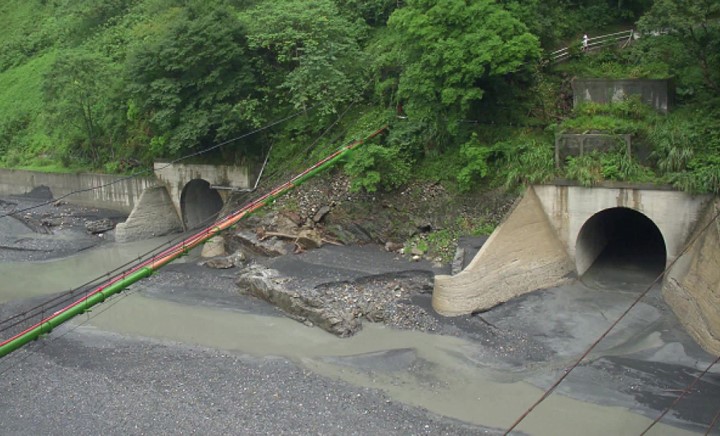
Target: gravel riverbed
{"type": "Point", "coordinates": [88, 379]}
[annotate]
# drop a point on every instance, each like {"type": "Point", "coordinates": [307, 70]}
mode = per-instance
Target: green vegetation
{"type": "Point", "coordinates": [111, 85]}
{"type": "Point", "coordinates": [441, 244]}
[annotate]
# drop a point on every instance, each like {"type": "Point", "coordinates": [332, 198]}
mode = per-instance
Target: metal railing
{"type": "Point", "coordinates": [618, 38]}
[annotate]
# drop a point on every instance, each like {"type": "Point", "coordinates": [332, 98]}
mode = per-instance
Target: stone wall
{"type": "Point", "coordinates": [692, 286]}
{"type": "Point", "coordinates": [657, 93]}
{"type": "Point", "coordinates": [98, 190]}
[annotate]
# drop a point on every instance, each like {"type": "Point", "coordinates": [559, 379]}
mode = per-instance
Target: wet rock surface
{"type": "Point", "coordinates": [340, 307]}
{"type": "Point", "coordinates": [338, 287]}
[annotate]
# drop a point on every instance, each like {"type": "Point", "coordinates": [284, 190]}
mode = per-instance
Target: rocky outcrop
{"type": "Point", "coordinates": [340, 307]}
{"type": "Point", "coordinates": [253, 246]}
{"type": "Point", "coordinates": [225, 262]}
{"type": "Point", "coordinates": [154, 215]}
{"type": "Point", "coordinates": [99, 226]}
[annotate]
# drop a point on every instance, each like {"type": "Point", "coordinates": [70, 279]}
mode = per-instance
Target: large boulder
{"type": "Point", "coordinates": [306, 307]}
{"type": "Point", "coordinates": [214, 247]}
{"type": "Point", "coordinates": [99, 226]}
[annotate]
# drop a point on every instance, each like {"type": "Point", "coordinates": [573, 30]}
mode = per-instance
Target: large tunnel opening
{"type": "Point", "coordinates": [620, 239]}
{"type": "Point", "coordinates": [199, 203]}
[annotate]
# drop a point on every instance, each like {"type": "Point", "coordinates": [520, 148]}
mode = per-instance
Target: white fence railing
{"type": "Point", "coordinates": [618, 38]}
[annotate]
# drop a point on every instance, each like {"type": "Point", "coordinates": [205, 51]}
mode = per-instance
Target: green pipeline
{"type": "Point", "coordinates": [101, 295]}
{"type": "Point", "coordinates": [77, 309]}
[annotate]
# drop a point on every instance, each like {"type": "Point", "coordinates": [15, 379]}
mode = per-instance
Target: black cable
{"type": "Point", "coordinates": [70, 295]}
{"type": "Point", "coordinates": [149, 171]}
{"type": "Point", "coordinates": [712, 423]}
{"type": "Point", "coordinates": [642, 295]}
{"type": "Point", "coordinates": [682, 395]}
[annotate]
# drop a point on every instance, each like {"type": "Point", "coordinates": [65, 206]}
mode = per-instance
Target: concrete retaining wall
{"type": "Point", "coordinates": [657, 93]}
{"type": "Point", "coordinates": [692, 286]}
{"type": "Point", "coordinates": [153, 216]}
{"type": "Point", "coordinates": [570, 144]}
{"type": "Point", "coordinates": [113, 192]}
{"type": "Point", "coordinates": [522, 255]}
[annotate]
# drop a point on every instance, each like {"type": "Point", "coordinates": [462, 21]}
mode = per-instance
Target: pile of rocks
{"type": "Point", "coordinates": [340, 307]}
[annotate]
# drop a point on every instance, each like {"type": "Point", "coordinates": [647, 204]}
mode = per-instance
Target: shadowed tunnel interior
{"type": "Point", "coordinates": [620, 238]}
{"type": "Point", "coordinates": [199, 203]}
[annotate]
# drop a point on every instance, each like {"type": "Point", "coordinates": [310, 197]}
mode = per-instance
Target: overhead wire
{"type": "Point", "coordinates": [682, 395]}
{"type": "Point", "coordinates": [39, 344]}
{"type": "Point", "coordinates": [612, 326]}
{"type": "Point", "coordinates": [149, 171]}
{"type": "Point", "coordinates": [712, 424]}
{"type": "Point", "coordinates": [72, 293]}
{"type": "Point", "coordinates": [277, 172]}
{"type": "Point", "coordinates": [66, 296]}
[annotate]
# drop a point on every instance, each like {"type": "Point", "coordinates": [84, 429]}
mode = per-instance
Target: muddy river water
{"type": "Point", "coordinates": [446, 375]}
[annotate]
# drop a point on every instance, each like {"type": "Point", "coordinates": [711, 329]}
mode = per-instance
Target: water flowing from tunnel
{"type": "Point", "coordinates": [443, 374]}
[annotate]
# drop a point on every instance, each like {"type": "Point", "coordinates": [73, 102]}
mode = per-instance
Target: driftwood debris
{"type": "Point", "coordinates": [303, 240]}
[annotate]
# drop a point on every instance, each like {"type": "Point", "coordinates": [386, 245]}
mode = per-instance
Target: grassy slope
{"type": "Point", "coordinates": [21, 109]}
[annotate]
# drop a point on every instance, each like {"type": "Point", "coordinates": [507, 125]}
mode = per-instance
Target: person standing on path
{"type": "Point", "coordinates": [585, 42]}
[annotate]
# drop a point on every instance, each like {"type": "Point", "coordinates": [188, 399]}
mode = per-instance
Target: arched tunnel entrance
{"type": "Point", "coordinates": [620, 239]}
{"type": "Point", "coordinates": [199, 203]}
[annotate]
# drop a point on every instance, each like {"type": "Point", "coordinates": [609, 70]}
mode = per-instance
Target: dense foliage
{"type": "Point", "coordinates": [114, 84]}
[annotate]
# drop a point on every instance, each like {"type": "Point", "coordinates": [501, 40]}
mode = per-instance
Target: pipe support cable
{"type": "Point", "coordinates": [622, 316]}
{"type": "Point", "coordinates": [151, 171]}
{"type": "Point", "coordinates": [147, 267]}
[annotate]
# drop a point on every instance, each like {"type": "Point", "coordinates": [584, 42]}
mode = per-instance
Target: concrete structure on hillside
{"type": "Point", "coordinates": [657, 93]}
{"type": "Point", "coordinates": [575, 144]}
{"type": "Point", "coordinates": [109, 191]}
{"type": "Point", "coordinates": [195, 193]}
{"type": "Point", "coordinates": [555, 233]}
{"type": "Point", "coordinates": [199, 191]}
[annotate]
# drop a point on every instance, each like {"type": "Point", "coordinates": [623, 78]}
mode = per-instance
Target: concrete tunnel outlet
{"type": "Point", "coordinates": [199, 203]}
{"type": "Point", "coordinates": [623, 238]}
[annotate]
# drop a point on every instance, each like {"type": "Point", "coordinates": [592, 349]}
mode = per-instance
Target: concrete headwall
{"type": "Point", "coordinates": [570, 207]}
{"type": "Point", "coordinates": [692, 286]}
{"type": "Point", "coordinates": [655, 92]}
{"type": "Point", "coordinates": [523, 254]}
{"type": "Point", "coordinates": [176, 176]}
{"type": "Point", "coordinates": [98, 190]}
{"type": "Point", "coordinates": [537, 245]}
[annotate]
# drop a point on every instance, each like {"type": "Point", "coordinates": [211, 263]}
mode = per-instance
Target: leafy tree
{"type": "Point", "coordinates": [693, 27]}
{"type": "Point", "coordinates": [75, 91]}
{"type": "Point", "coordinates": [451, 52]}
{"type": "Point", "coordinates": [374, 12]}
{"type": "Point", "coordinates": [192, 80]}
{"type": "Point", "coordinates": [311, 51]}
{"type": "Point", "coordinates": [476, 155]}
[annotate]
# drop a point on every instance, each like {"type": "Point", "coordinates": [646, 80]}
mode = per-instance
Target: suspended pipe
{"type": "Point", "coordinates": [145, 268]}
